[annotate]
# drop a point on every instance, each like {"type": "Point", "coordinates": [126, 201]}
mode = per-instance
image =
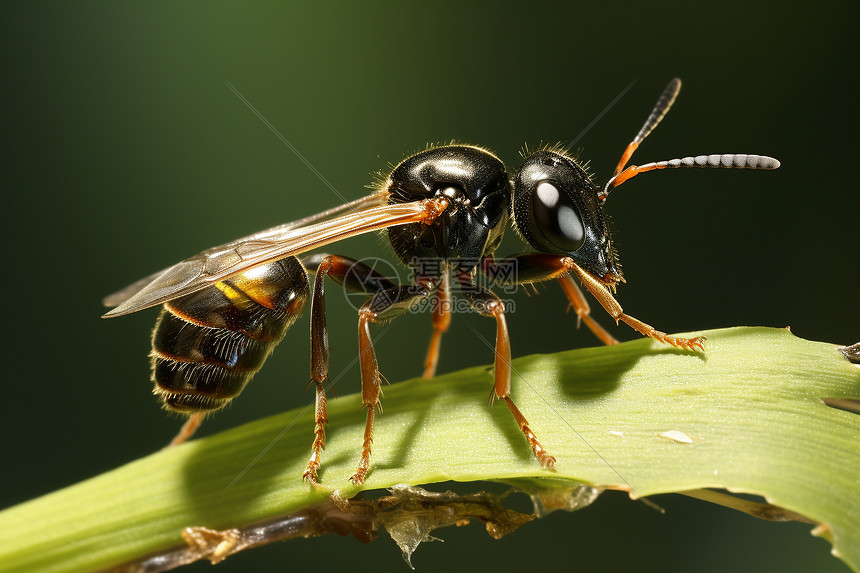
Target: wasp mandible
{"type": "Point", "coordinates": [225, 309]}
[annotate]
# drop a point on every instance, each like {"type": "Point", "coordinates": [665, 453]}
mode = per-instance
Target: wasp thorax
{"type": "Point", "coordinates": [455, 195]}
{"type": "Point", "coordinates": [476, 184]}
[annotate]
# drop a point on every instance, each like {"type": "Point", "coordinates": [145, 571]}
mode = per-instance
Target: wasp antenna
{"type": "Point", "coordinates": [661, 108]}
{"type": "Point", "coordinates": [726, 160]}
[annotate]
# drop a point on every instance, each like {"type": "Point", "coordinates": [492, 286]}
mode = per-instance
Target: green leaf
{"type": "Point", "coordinates": [746, 415]}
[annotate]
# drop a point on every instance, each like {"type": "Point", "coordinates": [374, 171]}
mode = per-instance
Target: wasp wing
{"type": "Point", "coordinates": [373, 200]}
{"type": "Point", "coordinates": [218, 263]}
{"type": "Point", "coordinates": [123, 295]}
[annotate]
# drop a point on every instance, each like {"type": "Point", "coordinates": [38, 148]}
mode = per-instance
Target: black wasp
{"type": "Point", "coordinates": [225, 309]}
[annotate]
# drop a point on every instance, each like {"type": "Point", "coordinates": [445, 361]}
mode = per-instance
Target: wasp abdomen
{"type": "Point", "coordinates": [207, 346]}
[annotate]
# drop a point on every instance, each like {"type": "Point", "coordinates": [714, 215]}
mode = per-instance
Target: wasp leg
{"type": "Point", "coordinates": [608, 302]}
{"type": "Point", "coordinates": [187, 430]}
{"type": "Point", "coordinates": [488, 304]}
{"type": "Point", "coordinates": [536, 267]}
{"type": "Point", "coordinates": [529, 268]}
{"type": "Point", "coordinates": [384, 306]}
{"type": "Point", "coordinates": [583, 310]}
{"type": "Point", "coordinates": [441, 322]}
{"type": "Point", "coordinates": [356, 277]}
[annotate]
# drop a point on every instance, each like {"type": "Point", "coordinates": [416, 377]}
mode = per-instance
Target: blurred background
{"type": "Point", "coordinates": [125, 152]}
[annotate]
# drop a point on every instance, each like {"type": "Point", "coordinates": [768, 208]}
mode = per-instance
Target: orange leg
{"type": "Point", "coordinates": [583, 310]}
{"type": "Point", "coordinates": [384, 306]}
{"type": "Point", "coordinates": [529, 268]}
{"type": "Point", "coordinates": [441, 322]}
{"type": "Point", "coordinates": [536, 267]}
{"type": "Point", "coordinates": [188, 428]}
{"type": "Point", "coordinates": [608, 302]}
{"type": "Point", "coordinates": [311, 473]}
{"type": "Point", "coordinates": [540, 452]}
{"type": "Point", "coordinates": [356, 277]}
{"type": "Point", "coordinates": [488, 304]}
{"type": "Point", "coordinates": [370, 390]}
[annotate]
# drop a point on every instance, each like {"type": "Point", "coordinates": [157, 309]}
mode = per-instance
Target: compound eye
{"type": "Point", "coordinates": [556, 218]}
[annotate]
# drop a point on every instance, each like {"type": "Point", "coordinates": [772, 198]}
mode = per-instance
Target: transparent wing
{"type": "Point", "coordinates": [123, 295]}
{"type": "Point", "coordinates": [372, 200]}
{"type": "Point", "coordinates": [218, 263]}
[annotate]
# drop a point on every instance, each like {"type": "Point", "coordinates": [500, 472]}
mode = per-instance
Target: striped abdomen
{"type": "Point", "coordinates": [206, 346]}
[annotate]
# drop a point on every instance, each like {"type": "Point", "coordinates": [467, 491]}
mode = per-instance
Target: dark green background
{"type": "Point", "coordinates": [125, 151]}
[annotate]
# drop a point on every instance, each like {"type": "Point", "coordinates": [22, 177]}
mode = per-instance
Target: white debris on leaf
{"type": "Point", "coordinates": [616, 433]}
{"type": "Point", "coordinates": [677, 436]}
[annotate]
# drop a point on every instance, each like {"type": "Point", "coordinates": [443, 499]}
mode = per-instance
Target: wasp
{"type": "Point", "coordinates": [225, 309]}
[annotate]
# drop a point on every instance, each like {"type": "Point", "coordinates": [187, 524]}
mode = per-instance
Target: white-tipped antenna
{"type": "Point", "coordinates": [726, 161]}
{"type": "Point", "coordinates": [661, 108]}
